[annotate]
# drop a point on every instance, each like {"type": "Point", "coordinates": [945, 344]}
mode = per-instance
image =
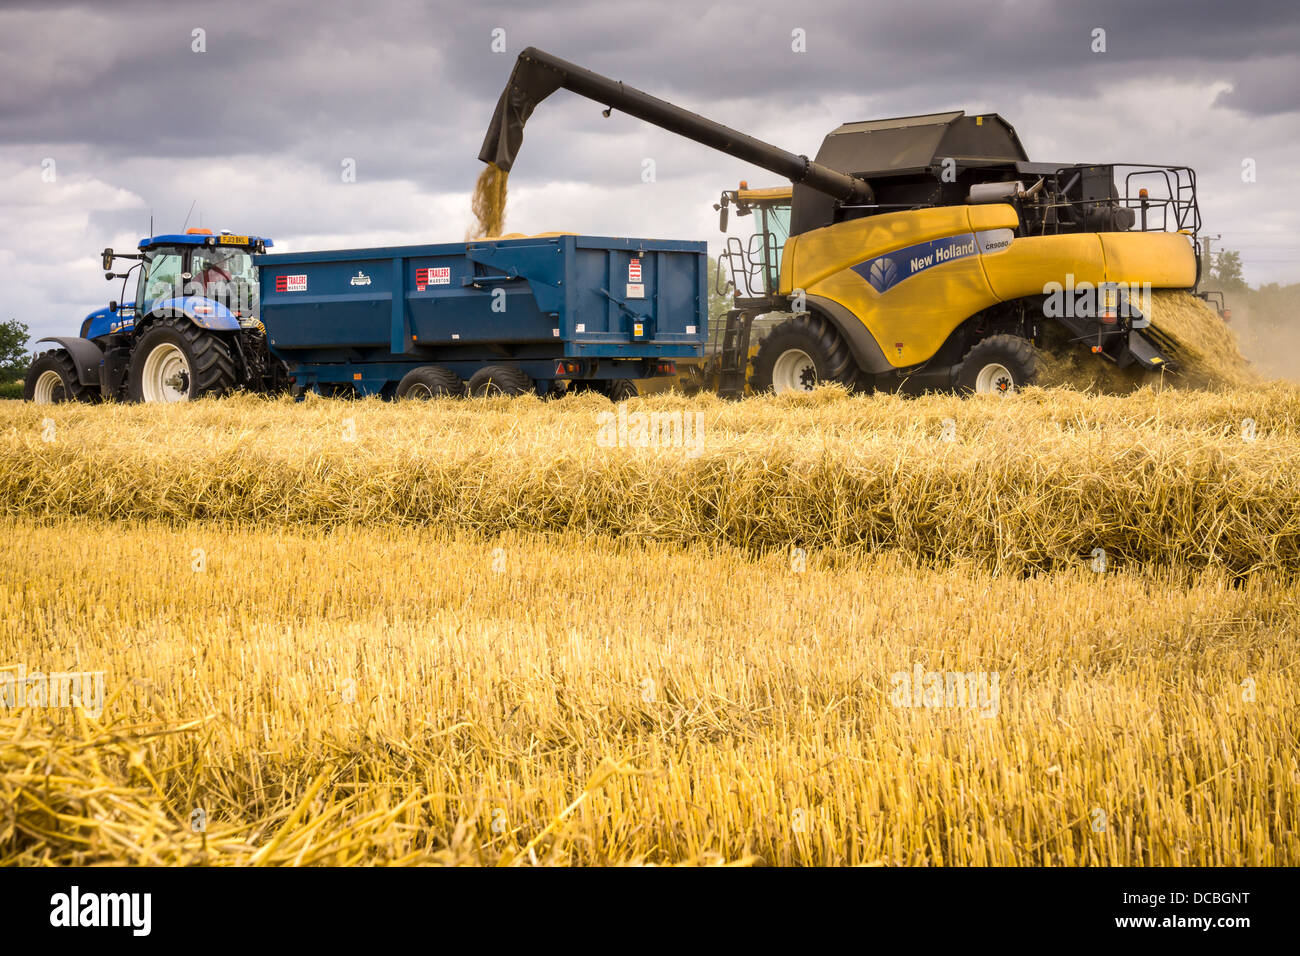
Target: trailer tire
{"type": "Point", "coordinates": [998, 365]}
{"type": "Point", "coordinates": [801, 353]}
{"type": "Point", "coordinates": [499, 380]}
{"type": "Point", "coordinates": [430, 381]}
{"type": "Point", "coordinates": [621, 389]}
{"type": "Point", "coordinates": [52, 378]}
{"type": "Point", "coordinates": [175, 361]}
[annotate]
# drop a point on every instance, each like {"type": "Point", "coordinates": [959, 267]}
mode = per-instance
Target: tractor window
{"type": "Point", "coordinates": [226, 275]}
{"type": "Point", "coordinates": [160, 277]}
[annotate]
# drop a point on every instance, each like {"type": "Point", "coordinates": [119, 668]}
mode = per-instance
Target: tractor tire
{"type": "Point", "coordinates": [174, 361]}
{"type": "Point", "coordinates": [499, 380]}
{"type": "Point", "coordinates": [998, 365]}
{"type": "Point", "coordinates": [52, 378]}
{"type": "Point", "coordinates": [621, 389]}
{"type": "Point", "coordinates": [801, 353]}
{"type": "Point", "coordinates": [429, 381]}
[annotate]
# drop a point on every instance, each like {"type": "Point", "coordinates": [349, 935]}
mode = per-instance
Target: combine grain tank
{"type": "Point", "coordinates": [508, 315]}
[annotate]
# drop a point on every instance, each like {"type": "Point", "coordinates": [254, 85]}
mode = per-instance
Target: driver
{"type": "Point", "coordinates": [217, 269]}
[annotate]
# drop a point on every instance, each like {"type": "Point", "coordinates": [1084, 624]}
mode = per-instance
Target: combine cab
{"type": "Point", "coordinates": [924, 252]}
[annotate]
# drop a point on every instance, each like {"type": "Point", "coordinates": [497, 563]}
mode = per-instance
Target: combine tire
{"type": "Point", "coordinates": [998, 365]}
{"type": "Point", "coordinates": [801, 353]}
{"type": "Point", "coordinates": [52, 378]}
{"type": "Point", "coordinates": [174, 362]}
{"type": "Point", "coordinates": [429, 381]}
{"type": "Point", "coordinates": [499, 380]}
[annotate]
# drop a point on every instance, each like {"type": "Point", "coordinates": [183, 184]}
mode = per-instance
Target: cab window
{"type": "Point", "coordinates": [160, 277]}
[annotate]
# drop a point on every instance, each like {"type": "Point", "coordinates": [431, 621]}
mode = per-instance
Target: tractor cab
{"type": "Point", "coordinates": [194, 272]}
{"type": "Point", "coordinates": [198, 264]}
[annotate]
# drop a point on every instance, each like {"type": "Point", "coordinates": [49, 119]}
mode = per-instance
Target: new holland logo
{"type": "Point", "coordinates": [886, 271]}
{"type": "Point", "coordinates": [883, 273]}
{"type": "Point", "coordinates": [360, 278]}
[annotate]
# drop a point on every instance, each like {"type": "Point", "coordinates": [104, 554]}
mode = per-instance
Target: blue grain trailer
{"type": "Point", "coordinates": [494, 316]}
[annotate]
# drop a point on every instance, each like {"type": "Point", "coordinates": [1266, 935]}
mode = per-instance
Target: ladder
{"type": "Point", "coordinates": [733, 355]}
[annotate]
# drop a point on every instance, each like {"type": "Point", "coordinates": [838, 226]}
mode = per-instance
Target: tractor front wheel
{"type": "Point", "coordinates": [174, 361]}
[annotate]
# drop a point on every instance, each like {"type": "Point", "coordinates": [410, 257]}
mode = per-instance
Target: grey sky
{"type": "Point", "coordinates": [255, 129]}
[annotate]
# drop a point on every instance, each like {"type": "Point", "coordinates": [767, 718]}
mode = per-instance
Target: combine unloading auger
{"type": "Point", "coordinates": [538, 74]}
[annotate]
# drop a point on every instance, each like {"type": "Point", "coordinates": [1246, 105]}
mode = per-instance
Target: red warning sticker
{"type": "Point", "coordinates": [440, 275]}
{"type": "Point", "coordinates": [290, 283]}
{"type": "Point", "coordinates": [634, 270]}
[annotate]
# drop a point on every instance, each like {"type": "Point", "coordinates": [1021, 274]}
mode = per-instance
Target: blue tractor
{"type": "Point", "coordinates": [190, 328]}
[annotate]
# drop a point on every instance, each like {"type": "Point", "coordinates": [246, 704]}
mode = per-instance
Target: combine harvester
{"type": "Point", "coordinates": [918, 253]}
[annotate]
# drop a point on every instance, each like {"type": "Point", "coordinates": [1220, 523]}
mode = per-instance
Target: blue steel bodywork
{"type": "Point", "coordinates": [599, 308]}
{"type": "Point", "coordinates": [202, 311]}
{"type": "Point", "coordinates": [106, 321]}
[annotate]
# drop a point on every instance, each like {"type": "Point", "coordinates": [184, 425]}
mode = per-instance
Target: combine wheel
{"type": "Point", "coordinates": [175, 361]}
{"type": "Point", "coordinates": [801, 353]}
{"type": "Point", "coordinates": [52, 378]}
{"type": "Point", "coordinates": [499, 380]}
{"type": "Point", "coordinates": [998, 365]}
{"type": "Point", "coordinates": [429, 381]}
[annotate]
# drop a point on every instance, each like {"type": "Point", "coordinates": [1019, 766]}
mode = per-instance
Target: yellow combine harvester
{"type": "Point", "coordinates": [925, 252]}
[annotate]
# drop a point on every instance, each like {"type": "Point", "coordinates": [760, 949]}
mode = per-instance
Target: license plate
{"type": "Point", "coordinates": [233, 240]}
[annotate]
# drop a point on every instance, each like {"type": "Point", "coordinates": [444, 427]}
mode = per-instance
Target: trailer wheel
{"type": "Point", "coordinates": [499, 380]}
{"type": "Point", "coordinates": [174, 361]}
{"type": "Point", "coordinates": [429, 381]}
{"type": "Point", "coordinates": [52, 378]}
{"type": "Point", "coordinates": [998, 365]}
{"type": "Point", "coordinates": [621, 389]}
{"type": "Point", "coordinates": [801, 353]}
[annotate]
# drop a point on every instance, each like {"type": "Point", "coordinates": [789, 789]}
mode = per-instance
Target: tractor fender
{"type": "Point", "coordinates": [862, 345]}
{"type": "Point", "coordinates": [203, 312]}
{"type": "Point", "coordinates": [86, 355]}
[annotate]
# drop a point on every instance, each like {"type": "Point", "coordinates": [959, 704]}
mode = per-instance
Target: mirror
{"type": "Point", "coordinates": [722, 217]}
{"type": "Point", "coordinates": [109, 276]}
{"type": "Point", "coordinates": [112, 305]}
{"type": "Point", "coordinates": [108, 260]}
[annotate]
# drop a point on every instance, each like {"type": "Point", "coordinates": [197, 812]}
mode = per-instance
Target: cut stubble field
{"type": "Point", "coordinates": [471, 633]}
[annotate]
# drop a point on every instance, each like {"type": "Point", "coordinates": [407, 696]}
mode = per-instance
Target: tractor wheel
{"type": "Point", "coordinates": [621, 389]}
{"type": "Point", "coordinates": [499, 380]}
{"type": "Point", "coordinates": [998, 365]}
{"type": "Point", "coordinates": [174, 362]}
{"type": "Point", "coordinates": [52, 378]}
{"type": "Point", "coordinates": [801, 353]}
{"type": "Point", "coordinates": [429, 381]}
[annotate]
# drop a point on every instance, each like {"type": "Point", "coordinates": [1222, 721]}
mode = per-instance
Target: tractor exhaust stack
{"type": "Point", "coordinates": [538, 74]}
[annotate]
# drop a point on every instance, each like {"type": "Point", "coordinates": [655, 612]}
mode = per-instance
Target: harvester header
{"type": "Point", "coordinates": [538, 74]}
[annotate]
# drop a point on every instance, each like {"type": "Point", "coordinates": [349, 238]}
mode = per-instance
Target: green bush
{"type": "Point", "coordinates": [12, 389]}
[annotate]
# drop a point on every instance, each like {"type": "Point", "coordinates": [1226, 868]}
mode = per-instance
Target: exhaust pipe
{"type": "Point", "coordinates": [537, 75]}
